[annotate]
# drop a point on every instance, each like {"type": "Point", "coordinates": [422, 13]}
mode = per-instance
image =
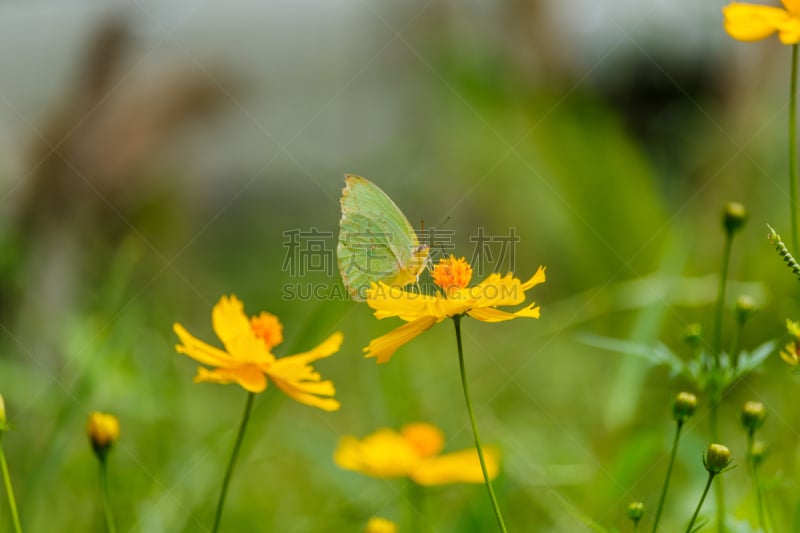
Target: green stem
{"type": "Point", "coordinates": [416, 500]}
{"type": "Point", "coordinates": [229, 472]}
{"type": "Point", "coordinates": [107, 514]}
{"type": "Point", "coordinates": [719, 488]}
{"type": "Point", "coordinates": [723, 279]}
{"type": "Point", "coordinates": [700, 503]}
{"type": "Point", "coordinates": [793, 150]}
{"type": "Point", "coordinates": [762, 523]}
{"type": "Point", "coordinates": [669, 473]}
{"type": "Point", "coordinates": [12, 503]}
{"type": "Point", "coordinates": [498, 515]}
{"type": "Point", "coordinates": [737, 341]}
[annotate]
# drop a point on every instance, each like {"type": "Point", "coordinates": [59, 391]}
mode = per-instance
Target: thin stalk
{"type": "Point", "coordinates": [700, 503]}
{"type": "Point", "coordinates": [107, 514]}
{"type": "Point", "coordinates": [737, 342]}
{"type": "Point", "coordinates": [669, 474]}
{"type": "Point", "coordinates": [229, 472]}
{"type": "Point", "coordinates": [723, 279]}
{"type": "Point", "coordinates": [416, 500]}
{"type": "Point", "coordinates": [793, 150]}
{"type": "Point", "coordinates": [498, 515]}
{"type": "Point", "coordinates": [719, 488]}
{"type": "Point", "coordinates": [12, 503]}
{"type": "Point", "coordinates": [762, 523]}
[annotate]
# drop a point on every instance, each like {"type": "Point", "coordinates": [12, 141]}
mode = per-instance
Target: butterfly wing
{"type": "Point", "coordinates": [376, 241]}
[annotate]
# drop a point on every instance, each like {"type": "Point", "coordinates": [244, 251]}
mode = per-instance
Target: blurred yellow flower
{"type": "Point", "coordinates": [753, 22]}
{"type": "Point", "coordinates": [791, 353]}
{"type": "Point", "coordinates": [103, 430]}
{"type": "Point", "coordinates": [422, 311]}
{"type": "Point", "coordinates": [248, 359]}
{"type": "Point", "coordinates": [413, 453]}
{"type": "Point", "coordinates": [377, 524]}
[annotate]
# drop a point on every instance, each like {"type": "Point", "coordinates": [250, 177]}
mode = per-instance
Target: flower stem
{"type": "Point", "coordinates": [793, 149]}
{"type": "Point", "coordinates": [107, 514]}
{"type": "Point", "coordinates": [12, 503]}
{"type": "Point", "coordinates": [700, 503]}
{"type": "Point", "coordinates": [723, 279]}
{"type": "Point", "coordinates": [669, 474]}
{"type": "Point", "coordinates": [416, 507]}
{"type": "Point", "coordinates": [762, 523]}
{"type": "Point", "coordinates": [229, 472]}
{"type": "Point", "coordinates": [498, 515]}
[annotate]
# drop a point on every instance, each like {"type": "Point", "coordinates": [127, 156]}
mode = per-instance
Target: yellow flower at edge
{"type": "Point", "coordinates": [422, 311]}
{"type": "Point", "coordinates": [413, 453]}
{"type": "Point", "coordinates": [753, 22]}
{"type": "Point", "coordinates": [791, 352]}
{"type": "Point", "coordinates": [248, 359]}
{"type": "Point", "coordinates": [377, 524]}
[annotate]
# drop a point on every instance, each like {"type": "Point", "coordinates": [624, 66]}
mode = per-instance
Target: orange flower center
{"type": "Point", "coordinates": [452, 273]}
{"type": "Point", "coordinates": [268, 328]}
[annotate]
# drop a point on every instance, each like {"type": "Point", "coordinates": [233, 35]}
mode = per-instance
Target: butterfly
{"type": "Point", "coordinates": [376, 241]}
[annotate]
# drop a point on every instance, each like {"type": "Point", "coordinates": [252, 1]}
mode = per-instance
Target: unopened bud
{"type": "Point", "coordinates": [758, 451]}
{"type": "Point", "coordinates": [717, 458]}
{"type": "Point", "coordinates": [753, 415]}
{"type": "Point", "coordinates": [745, 307]}
{"type": "Point", "coordinates": [103, 430]}
{"type": "Point", "coordinates": [635, 511]}
{"type": "Point", "coordinates": [734, 217]}
{"type": "Point", "coordinates": [693, 334]}
{"type": "Point", "coordinates": [684, 406]}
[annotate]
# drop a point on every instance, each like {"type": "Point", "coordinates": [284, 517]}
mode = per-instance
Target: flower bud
{"type": "Point", "coordinates": [753, 416]}
{"type": "Point", "coordinates": [635, 511]}
{"type": "Point", "coordinates": [717, 458]}
{"type": "Point", "coordinates": [693, 335]}
{"type": "Point", "coordinates": [103, 430]}
{"type": "Point", "coordinates": [734, 217]}
{"type": "Point", "coordinates": [745, 307]}
{"type": "Point", "coordinates": [758, 451]}
{"type": "Point", "coordinates": [684, 406]}
{"type": "Point", "coordinates": [377, 524]}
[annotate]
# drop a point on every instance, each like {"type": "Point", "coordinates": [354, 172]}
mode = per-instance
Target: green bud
{"type": "Point", "coordinates": [753, 415]}
{"type": "Point", "coordinates": [758, 451]}
{"type": "Point", "coordinates": [684, 406]}
{"type": "Point", "coordinates": [693, 335]}
{"type": "Point", "coordinates": [635, 511]}
{"type": "Point", "coordinates": [745, 307]}
{"type": "Point", "coordinates": [734, 217]}
{"type": "Point", "coordinates": [717, 458]}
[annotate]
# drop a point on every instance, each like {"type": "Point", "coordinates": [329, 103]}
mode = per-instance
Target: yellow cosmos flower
{"type": "Point", "coordinates": [413, 453]}
{"type": "Point", "coordinates": [377, 524]}
{"type": "Point", "coordinates": [422, 311]}
{"type": "Point", "coordinates": [248, 359]}
{"type": "Point", "coordinates": [791, 352]}
{"type": "Point", "coordinates": [752, 22]}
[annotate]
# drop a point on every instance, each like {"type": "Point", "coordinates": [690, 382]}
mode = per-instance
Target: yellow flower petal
{"type": "Point", "coordinates": [384, 347]}
{"type": "Point", "coordinates": [426, 438]}
{"type": "Point", "coordinates": [393, 301]}
{"type": "Point", "coordinates": [199, 350]}
{"type": "Point", "coordinates": [792, 6]}
{"type": "Point", "coordinates": [383, 454]}
{"type": "Point", "coordinates": [458, 467]}
{"type": "Point", "coordinates": [496, 315]}
{"type": "Point", "coordinates": [789, 32]}
{"type": "Point", "coordinates": [326, 348]}
{"type": "Point", "coordinates": [535, 280]}
{"type": "Point", "coordinates": [750, 22]}
{"type": "Point", "coordinates": [229, 321]}
{"type": "Point", "coordinates": [249, 377]}
{"type": "Point", "coordinates": [793, 328]}
{"type": "Point", "coordinates": [307, 393]}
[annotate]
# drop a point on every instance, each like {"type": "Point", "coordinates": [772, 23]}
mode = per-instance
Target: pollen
{"type": "Point", "coordinates": [268, 328]}
{"type": "Point", "coordinates": [452, 273]}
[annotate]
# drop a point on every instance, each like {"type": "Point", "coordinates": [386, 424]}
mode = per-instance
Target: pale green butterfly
{"type": "Point", "coordinates": [376, 241]}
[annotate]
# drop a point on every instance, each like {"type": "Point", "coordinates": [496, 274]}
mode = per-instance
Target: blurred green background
{"type": "Point", "coordinates": [153, 157]}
